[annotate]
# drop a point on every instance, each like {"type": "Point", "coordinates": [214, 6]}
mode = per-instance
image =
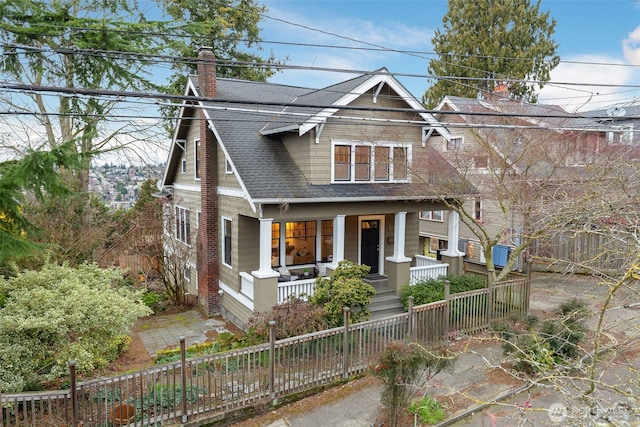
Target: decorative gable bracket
{"type": "Point", "coordinates": [319, 130]}
{"type": "Point", "coordinates": [426, 134]}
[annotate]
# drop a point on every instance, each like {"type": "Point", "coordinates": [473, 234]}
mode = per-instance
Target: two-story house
{"type": "Point", "coordinates": [284, 182]}
{"type": "Point", "coordinates": [515, 154]}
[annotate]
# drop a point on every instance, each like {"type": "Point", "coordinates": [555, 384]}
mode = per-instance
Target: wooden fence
{"type": "Point", "coordinates": [214, 386]}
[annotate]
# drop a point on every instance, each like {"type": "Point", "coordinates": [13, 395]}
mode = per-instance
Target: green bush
{"type": "Point", "coordinates": [60, 314]}
{"type": "Point", "coordinates": [345, 288]}
{"type": "Point", "coordinates": [540, 347]}
{"type": "Point", "coordinates": [432, 290]}
{"type": "Point", "coordinates": [401, 368]}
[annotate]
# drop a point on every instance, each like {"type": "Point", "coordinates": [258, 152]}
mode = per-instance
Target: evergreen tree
{"type": "Point", "coordinates": [488, 42]}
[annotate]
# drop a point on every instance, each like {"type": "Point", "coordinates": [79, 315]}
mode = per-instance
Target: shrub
{"type": "Point", "coordinates": [540, 347]}
{"type": "Point", "coordinates": [427, 410]}
{"type": "Point", "coordinates": [401, 368]}
{"type": "Point", "coordinates": [294, 317]}
{"type": "Point", "coordinates": [431, 290]}
{"type": "Point", "coordinates": [345, 288]}
{"type": "Point", "coordinates": [60, 314]}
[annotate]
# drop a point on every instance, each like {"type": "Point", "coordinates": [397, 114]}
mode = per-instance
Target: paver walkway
{"type": "Point", "coordinates": [164, 331]}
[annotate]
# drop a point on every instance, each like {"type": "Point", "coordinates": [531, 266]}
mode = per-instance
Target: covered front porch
{"type": "Point", "coordinates": [293, 253]}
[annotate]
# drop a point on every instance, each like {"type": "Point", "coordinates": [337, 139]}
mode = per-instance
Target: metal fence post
{"type": "Point", "coordinates": [345, 343]}
{"type": "Point", "coordinates": [72, 392]}
{"type": "Point", "coordinates": [272, 358]}
{"type": "Point", "coordinates": [183, 377]}
{"type": "Point", "coordinates": [447, 298]}
{"type": "Point", "coordinates": [411, 317]}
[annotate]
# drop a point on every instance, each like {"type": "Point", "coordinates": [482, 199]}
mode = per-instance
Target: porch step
{"type": "Point", "coordinates": [385, 302]}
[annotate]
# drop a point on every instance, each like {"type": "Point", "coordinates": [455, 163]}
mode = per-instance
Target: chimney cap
{"type": "Point", "coordinates": [204, 49]}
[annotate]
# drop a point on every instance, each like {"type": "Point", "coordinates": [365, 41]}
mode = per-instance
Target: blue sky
{"type": "Point", "coordinates": [599, 43]}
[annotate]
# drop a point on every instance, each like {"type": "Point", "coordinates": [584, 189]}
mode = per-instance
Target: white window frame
{"type": "Point", "coordinates": [477, 209]}
{"type": "Point", "coordinates": [184, 165]}
{"type": "Point", "coordinates": [224, 221]}
{"type": "Point", "coordinates": [196, 145]}
{"type": "Point", "coordinates": [432, 215]}
{"type": "Point", "coordinates": [455, 143]}
{"type": "Point", "coordinates": [372, 179]}
{"type": "Point", "coordinates": [182, 232]}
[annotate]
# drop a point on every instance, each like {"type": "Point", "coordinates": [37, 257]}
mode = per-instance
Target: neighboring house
{"type": "Point", "coordinates": [512, 152]}
{"type": "Point", "coordinates": [623, 123]}
{"type": "Point", "coordinates": [284, 182]}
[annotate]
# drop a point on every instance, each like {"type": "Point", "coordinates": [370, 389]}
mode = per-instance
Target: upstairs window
{"type": "Point", "coordinates": [455, 144]}
{"type": "Point", "coordinates": [227, 242]}
{"type": "Point", "coordinates": [431, 215]}
{"type": "Point", "coordinates": [358, 162]}
{"type": "Point", "coordinates": [477, 209]}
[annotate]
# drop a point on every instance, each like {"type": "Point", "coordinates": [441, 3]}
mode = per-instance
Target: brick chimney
{"type": "Point", "coordinates": [208, 242]}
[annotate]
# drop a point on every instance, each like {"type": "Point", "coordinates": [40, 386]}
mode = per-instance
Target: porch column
{"type": "Point", "coordinates": [453, 234]}
{"type": "Point", "coordinates": [452, 255]}
{"type": "Point", "coordinates": [338, 240]}
{"type": "Point", "coordinates": [397, 266]}
{"type": "Point", "coordinates": [265, 269]}
{"type": "Point", "coordinates": [399, 233]}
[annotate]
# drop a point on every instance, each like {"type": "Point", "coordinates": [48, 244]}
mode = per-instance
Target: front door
{"type": "Point", "coordinates": [370, 244]}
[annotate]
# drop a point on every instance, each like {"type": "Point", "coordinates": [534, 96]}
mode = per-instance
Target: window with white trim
{"type": "Point", "coordinates": [196, 155]}
{"type": "Point", "coordinates": [432, 215]}
{"type": "Point", "coordinates": [477, 209]}
{"type": "Point", "coordinates": [183, 225]}
{"type": "Point", "coordinates": [368, 162]}
{"type": "Point", "coordinates": [455, 144]}
{"type": "Point", "coordinates": [226, 238]}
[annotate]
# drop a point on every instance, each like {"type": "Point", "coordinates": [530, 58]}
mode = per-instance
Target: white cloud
{"type": "Point", "coordinates": [591, 78]}
{"type": "Point", "coordinates": [631, 47]}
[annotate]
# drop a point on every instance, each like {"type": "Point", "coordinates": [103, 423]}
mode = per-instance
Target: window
{"type": "Point", "coordinates": [183, 225]}
{"type": "Point", "coordinates": [226, 246]}
{"type": "Point", "coordinates": [300, 243]}
{"type": "Point", "coordinates": [477, 209]}
{"type": "Point", "coordinates": [371, 163]}
{"type": "Point", "coordinates": [363, 162]}
{"type": "Point", "coordinates": [381, 170]}
{"type": "Point", "coordinates": [327, 240]}
{"type": "Point", "coordinates": [481, 161]}
{"type": "Point", "coordinates": [187, 274]}
{"type": "Point", "coordinates": [275, 244]}
{"type": "Point", "coordinates": [197, 157]}
{"type": "Point", "coordinates": [184, 165]}
{"type": "Point", "coordinates": [342, 163]}
{"type": "Point", "coordinates": [622, 135]}
{"type": "Point", "coordinates": [431, 215]}
{"type": "Point", "coordinates": [455, 144]}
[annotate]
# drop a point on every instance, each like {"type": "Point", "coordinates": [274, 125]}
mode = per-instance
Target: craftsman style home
{"type": "Point", "coordinates": [273, 185]}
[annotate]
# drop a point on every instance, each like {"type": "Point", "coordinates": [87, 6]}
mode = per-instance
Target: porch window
{"type": "Point", "coordinates": [275, 244]}
{"type": "Point", "coordinates": [431, 215]}
{"type": "Point", "coordinates": [197, 158]}
{"type": "Point", "coordinates": [327, 240]}
{"type": "Point", "coordinates": [300, 242]}
{"type": "Point", "coordinates": [368, 162]}
{"type": "Point", "coordinates": [183, 225]}
{"type": "Point", "coordinates": [226, 247]}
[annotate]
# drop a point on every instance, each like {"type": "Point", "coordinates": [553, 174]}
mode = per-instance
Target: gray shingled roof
{"type": "Point", "coordinates": [264, 165]}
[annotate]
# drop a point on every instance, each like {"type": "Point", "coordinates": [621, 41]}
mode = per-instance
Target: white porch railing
{"type": "Point", "coordinates": [426, 268]}
{"type": "Point", "coordinates": [422, 261]}
{"type": "Point", "coordinates": [296, 288]}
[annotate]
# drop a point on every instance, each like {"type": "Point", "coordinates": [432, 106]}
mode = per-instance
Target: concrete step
{"type": "Point", "coordinates": [385, 302]}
